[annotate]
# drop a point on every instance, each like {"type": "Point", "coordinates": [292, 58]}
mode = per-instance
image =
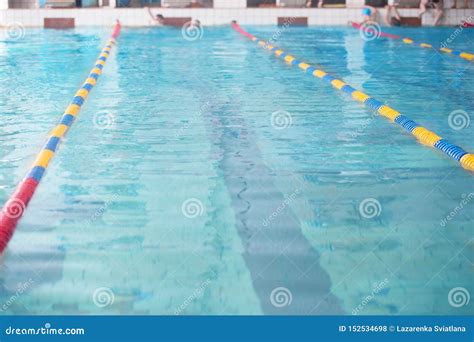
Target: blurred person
{"type": "Point", "coordinates": [437, 5]}
{"type": "Point", "coordinates": [315, 3]}
{"type": "Point", "coordinates": [195, 4]}
{"type": "Point", "coordinates": [158, 19]}
{"type": "Point", "coordinates": [369, 13]}
{"type": "Point", "coordinates": [392, 6]}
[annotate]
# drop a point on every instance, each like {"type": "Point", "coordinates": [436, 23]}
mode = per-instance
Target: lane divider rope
{"type": "Point", "coordinates": [465, 55]}
{"type": "Point", "coordinates": [14, 208]}
{"type": "Point", "coordinates": [423, 135]}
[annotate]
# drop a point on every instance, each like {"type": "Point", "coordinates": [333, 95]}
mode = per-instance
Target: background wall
{"type": "Point", "coordinates": [247, 16]}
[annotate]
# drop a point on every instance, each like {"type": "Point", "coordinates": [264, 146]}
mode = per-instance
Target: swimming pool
{"type": "Point", "coordinates": [208, 177]}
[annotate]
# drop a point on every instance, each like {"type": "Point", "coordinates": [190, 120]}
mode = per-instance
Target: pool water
{"type": "Point", "coordinates": [208, 177]}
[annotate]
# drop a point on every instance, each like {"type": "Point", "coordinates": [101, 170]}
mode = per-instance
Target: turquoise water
{"type": "Point", "coordinates": [208, 177]}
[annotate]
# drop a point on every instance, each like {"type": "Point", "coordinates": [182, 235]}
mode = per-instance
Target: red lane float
{"type": "Point", "coordinates": [14, 208]}
{"type": "Point", "coordinates": [116, 31]}
{"type": "Point", "coordinates": [467, 24]}
{"type": "Point", "coordinates": [237, 27]}
{"type": "Point", "coordinates": [378, 33]}
{"type": "Point", "coordinates": [374, 31]}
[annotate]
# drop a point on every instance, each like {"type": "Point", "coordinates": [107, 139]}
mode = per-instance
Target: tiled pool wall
{"type": "Point", "coordinates": [212, 16]}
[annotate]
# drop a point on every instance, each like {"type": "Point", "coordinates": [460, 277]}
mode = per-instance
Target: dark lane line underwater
{"type": "Point", "coordinates": [276, 252]}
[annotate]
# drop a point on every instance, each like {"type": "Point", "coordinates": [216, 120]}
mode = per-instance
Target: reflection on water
{"type": "Point", "coordinates": [208, 177]}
